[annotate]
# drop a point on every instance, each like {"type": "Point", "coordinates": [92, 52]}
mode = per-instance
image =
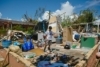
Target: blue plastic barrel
{"type": "Point", "coordinates": [59, 40]}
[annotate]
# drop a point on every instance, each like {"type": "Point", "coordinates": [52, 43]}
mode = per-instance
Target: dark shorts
{"type": "Point", "coordinates": [48, 42]}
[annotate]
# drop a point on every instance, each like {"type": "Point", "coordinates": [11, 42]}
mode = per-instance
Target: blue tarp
{"type": "Point", "coordinates": [42, 26]}
{"type": "Point", "coordinates": [47, 64]}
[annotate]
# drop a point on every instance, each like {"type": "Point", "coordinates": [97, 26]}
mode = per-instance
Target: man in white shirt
{"type": "Point", "coordinates": [48, 36]}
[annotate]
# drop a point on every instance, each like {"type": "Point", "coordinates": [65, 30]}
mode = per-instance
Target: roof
{"type": "Point", "coordinates": [16, 22]}
{"type": "Point", "coordinates": [82, 24]}
{"type": "Point", "coordinates": [96, 22]}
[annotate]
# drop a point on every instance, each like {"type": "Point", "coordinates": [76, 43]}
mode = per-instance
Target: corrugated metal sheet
{"type": "Point", "coordinates": [15, 22]}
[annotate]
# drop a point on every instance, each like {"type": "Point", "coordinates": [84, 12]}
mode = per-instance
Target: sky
{"type": "Point", "coordinates": [15, 9]}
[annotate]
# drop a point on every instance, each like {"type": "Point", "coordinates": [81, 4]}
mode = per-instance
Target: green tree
{"type": "Point", "coordinates": [3, 31]}
{"type": "Point", "coordinates": [39, 12]}
{"type": "Point", "coordinates": [66, 22]}
{"type": "Point", "coordinates": [86, 16]}
{"type": "Point", "coordinates": [29, 19]}
{"type": "Point", "coordinates": [30, 30]}
{"type": "Point", "coordinates": [17, 27]}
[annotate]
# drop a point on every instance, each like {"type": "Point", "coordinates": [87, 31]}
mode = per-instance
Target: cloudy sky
{"type": "Point", "coordinates": [15, 9]}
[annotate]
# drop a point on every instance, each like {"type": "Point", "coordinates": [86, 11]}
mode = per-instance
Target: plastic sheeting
{"type": "Point", "coordinates": [48, 64]}
{"type": "Point", "coordinates": [43, 25]}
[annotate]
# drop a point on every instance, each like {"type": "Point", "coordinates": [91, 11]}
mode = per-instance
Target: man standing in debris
{"type": "Point", "coordinates": [48, 36]}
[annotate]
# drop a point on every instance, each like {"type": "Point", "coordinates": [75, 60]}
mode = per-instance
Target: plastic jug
{"type": "Point", "coordinates": [28, 45]}
{"type": "Point", "coordinates": [32, 45]}
{"type": "Point", "coordinates": [24, 46]}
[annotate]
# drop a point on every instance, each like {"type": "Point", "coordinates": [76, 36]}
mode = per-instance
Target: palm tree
{"type": "Point", "coordinates": [39, 12]}
{"type": "Point", "coordinates": [29, 19]}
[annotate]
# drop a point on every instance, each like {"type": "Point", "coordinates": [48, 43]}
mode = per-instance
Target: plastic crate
{"type": "Point", "coordinates": [88, 42]}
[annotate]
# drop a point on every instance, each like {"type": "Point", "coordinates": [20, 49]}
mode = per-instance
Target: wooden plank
{"type": "Point", "coordinates": [67, 34]}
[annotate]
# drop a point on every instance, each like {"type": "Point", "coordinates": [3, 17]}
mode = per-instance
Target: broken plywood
{"type": "Point", "coordinates": [67, 34]}
{"type": "Point", "coordinates": [53, 19]}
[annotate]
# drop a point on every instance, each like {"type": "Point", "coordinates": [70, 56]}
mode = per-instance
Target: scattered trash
{"type": "Point", "coordinates": [16, 43]}
{"type": "Point", "coordinates": [40, 43]}
{"type": "Point", "coordinates": [51, 59]}
{"type": "Point", "coordinates": [55, 60]}
{"type": "Point", "coordinates": [67, 45]}
{"type": "Point", "coordinates": [28, 55]}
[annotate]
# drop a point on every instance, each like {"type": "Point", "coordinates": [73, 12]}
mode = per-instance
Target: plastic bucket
{"type": "Point", "coordinates": [6, 43]}
{"type": "Point", "coordinates": [59, 40]}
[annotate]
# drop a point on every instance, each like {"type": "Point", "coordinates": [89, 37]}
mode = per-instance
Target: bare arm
{"type": "Point", "coordinates": [55, 35]}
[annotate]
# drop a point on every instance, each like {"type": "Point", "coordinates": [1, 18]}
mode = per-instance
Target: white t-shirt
{"type": "Point", "coordinates": [49, 35]}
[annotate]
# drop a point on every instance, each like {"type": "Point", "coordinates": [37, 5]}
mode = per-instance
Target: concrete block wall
{"type": "Point", "coordinates": [91, 58]}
